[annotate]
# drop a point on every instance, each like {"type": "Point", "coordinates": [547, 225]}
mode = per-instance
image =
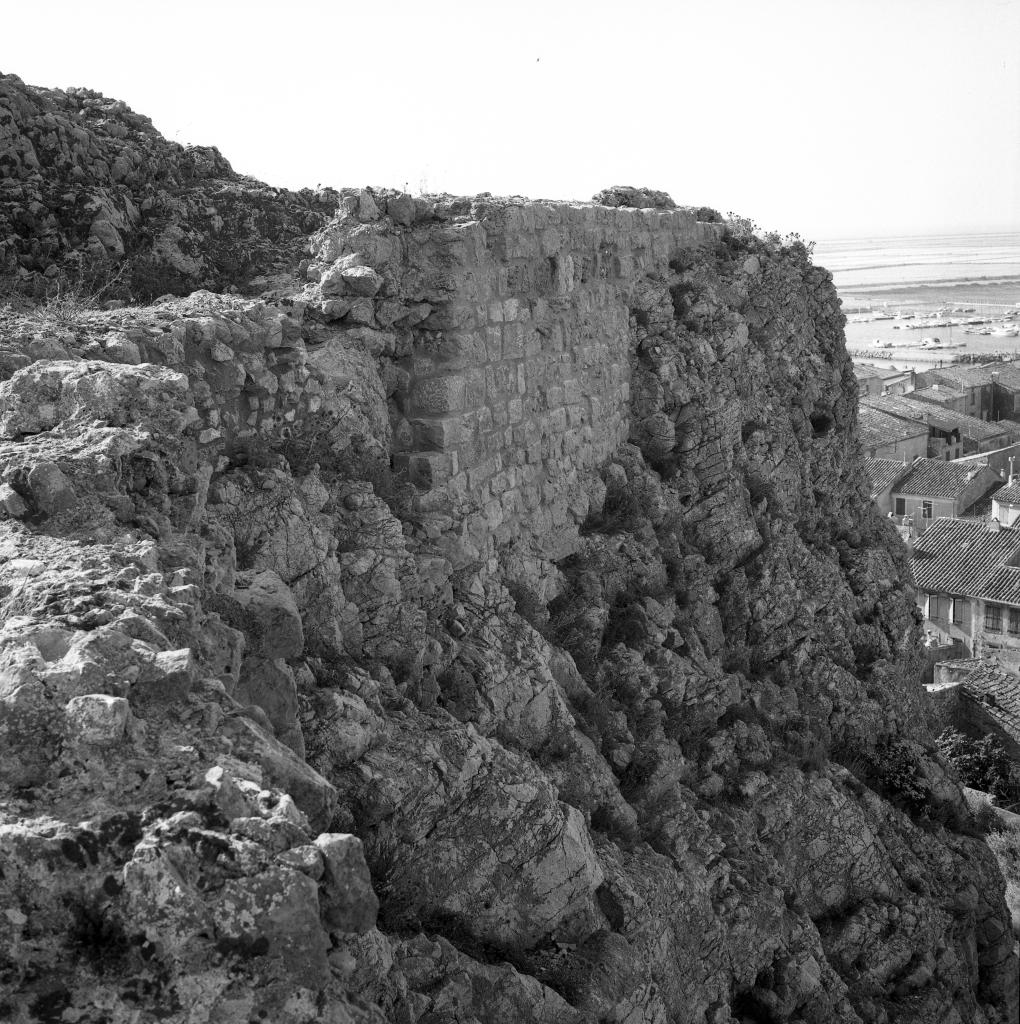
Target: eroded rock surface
{"type": "Point", "coordinates": [94, 201]}
{"type": "Point", "coordinates": [494, 628]}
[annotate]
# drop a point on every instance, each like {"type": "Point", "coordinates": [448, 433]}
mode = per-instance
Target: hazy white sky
{"type": "Point", "coordinates": [828, 118]}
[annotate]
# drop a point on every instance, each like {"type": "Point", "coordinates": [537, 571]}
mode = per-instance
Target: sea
{"type": "Point", "coordinates": [920, 300]}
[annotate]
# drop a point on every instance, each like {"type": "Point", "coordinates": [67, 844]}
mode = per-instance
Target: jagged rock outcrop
{"type": "Point", "coordinates": [495, 628]}
{"type": "Point", "coordinates": [94, 201]}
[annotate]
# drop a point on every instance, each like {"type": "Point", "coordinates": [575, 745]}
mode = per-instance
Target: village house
{"type": "Point", "coordinates": [874, 380]}
{"type": "Point", "coordinates": [888, 437]}
{"type": "Point", "coordinates": [869, 380]}
{"type": "Point", "coordinates": [883, 474]}
{"type": "Point", "coordinates": [950, 433]}
{"type": "Point", "coordinates": [942, 395]}
{"type": "Point", "coordinates": [1002, 460]}
{"type": "Point", "coordinates": [992, 390]}
{"type": "Point", "coordinates": [930, 489]}
{"type": "Point", "coordinates": [978, 697]}
{"type": "Point", "coordinates": [967, 574]}
{"type": "Point", "coordinates": [898, 382]}
{"type": "Point", "coordinates": [972, 381]}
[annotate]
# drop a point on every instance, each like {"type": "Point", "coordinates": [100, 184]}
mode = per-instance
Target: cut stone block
{"type": "Point", "coordinates": [438, 395]}
{"type": "Point", "coordinates": [429, 469]}
{"type": "Point", "coordinates": [458, 350]}
{"type": "Point", "coordinates": [513, 341]}
{"type": "Point", "coordinates": [436, 434]}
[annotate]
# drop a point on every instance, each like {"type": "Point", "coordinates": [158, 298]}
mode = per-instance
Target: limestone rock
{"type": "Point", "coordinates": [271, 615]}
{"type": "Point", "coordinates": [347, 900]}
{"type": "Point", "coordinates": [97, 718]}
{"type": "Point", "coordinates": [49, 393]}
{"type": "Point", "coordinates": [50, 489]}
{"type": "Point", "coordinates": [488, 622]}
{"type": "Point", "coordinates": [625, 195]}
{"type": "Point", "coordinates": [89, 177]}
{"type": "Point", "coordinates": [13, 504]}
{"type": "Point", "coordinates": [269, 683]}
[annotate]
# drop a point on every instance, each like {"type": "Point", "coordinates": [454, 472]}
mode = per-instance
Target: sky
{"type": "Point", "coordinates": [831, 118]}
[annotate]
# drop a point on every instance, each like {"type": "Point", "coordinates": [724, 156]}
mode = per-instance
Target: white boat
{"type": "Point", "coordinates": [880, 343]}
{"type": "Point", "coordinates": [1006, 332]}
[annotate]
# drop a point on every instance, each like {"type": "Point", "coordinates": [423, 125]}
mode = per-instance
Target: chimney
{"type": "Point", "coordinates": [994, 526]}
{"type": "Point", "coordinates": [1012, 473]}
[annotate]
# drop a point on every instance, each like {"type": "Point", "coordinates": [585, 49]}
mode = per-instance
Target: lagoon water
{"type": "Point", "coordinates": [926, 268]}
{"type": "Point", "coordinates": [922, 274]}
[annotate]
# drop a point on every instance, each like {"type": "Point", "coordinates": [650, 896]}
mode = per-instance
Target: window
{"type": "Point", "coordinates": [973, 398]}
{"type": "Point", "coordinates": [926, 510]}
{"type": "Point", "coordinates": [993, 618]}
{"type": "Point", "coordinates": [1014, 621]}
{"type": "Point", "coordinates": [958, 605]}
{"type": "Point", "coordinates": [901, 506]}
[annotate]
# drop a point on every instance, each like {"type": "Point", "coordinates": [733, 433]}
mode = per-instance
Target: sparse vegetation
{"type": "Point", "coordinates": [981, 764]}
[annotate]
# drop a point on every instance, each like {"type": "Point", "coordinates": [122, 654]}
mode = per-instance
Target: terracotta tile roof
{"type": "Point", "coordinates": [883, 472]}
{"type": "Point", "coordinates": [905, 407]}
{"type": "Point", "coordinates": [961, 556]}
{"type": "Point", "coordinates": [995, 688]}
{"type": "Point", "coordinates": [866, 373]}
{"type": "Point", "coordinates": [940, 394]}
{"type": "Point", "coordinates": [1008, 375]}
{"type": "Point", "coordinates": [1003, 587]}
{"type": "Point", "coordinates": [958, 376]}
{"type": "Point", "coordinates": [1009, 495]}
{"type": "Point", "coordinates": [936, 478]}
{"type": "Point", "coordinates": [876, 429]}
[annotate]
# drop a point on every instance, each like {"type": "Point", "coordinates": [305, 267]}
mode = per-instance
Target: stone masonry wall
{"type": "Point", "coordinates": [517, 381]}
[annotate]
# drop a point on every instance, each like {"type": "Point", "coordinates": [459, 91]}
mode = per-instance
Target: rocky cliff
{"type": "Point", "coordinates": [492, 626]}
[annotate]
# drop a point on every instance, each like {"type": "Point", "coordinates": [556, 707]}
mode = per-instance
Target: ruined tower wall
{"type": "Point", "coordinates": [518, 382]}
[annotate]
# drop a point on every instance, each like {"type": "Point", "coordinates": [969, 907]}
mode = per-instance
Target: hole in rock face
{"type": "Point", "coordinates": [748, 1009]}
{"type": "Point", "coordinates": [749, 428]}
{"type": "Point", "coordinates": [821, 423]}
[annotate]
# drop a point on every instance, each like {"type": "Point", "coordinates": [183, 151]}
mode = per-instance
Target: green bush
{"type": "Point", "coordinates": [890, 769]}
{"type": "Point", "coordinates": [981, 764]}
